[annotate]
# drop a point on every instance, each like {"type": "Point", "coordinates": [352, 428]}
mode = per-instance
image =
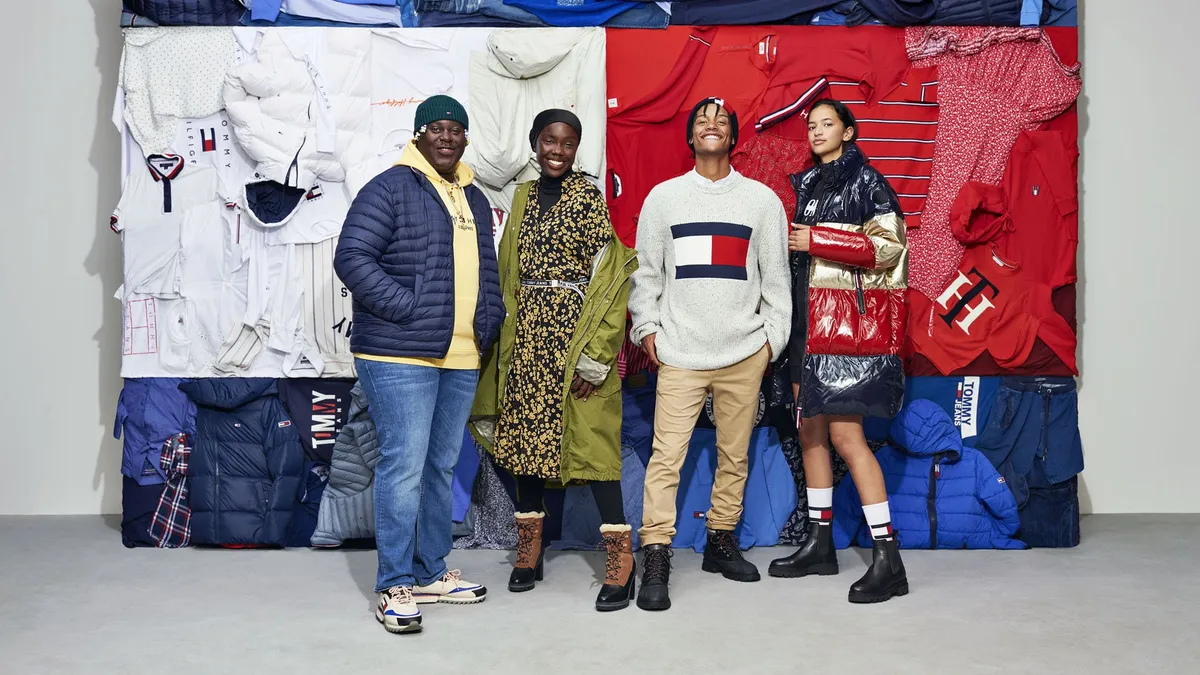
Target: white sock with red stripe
{"type": "Point", "coordinates": [879, 518]}
{"type": "Point", "coordinates": [820, 505]}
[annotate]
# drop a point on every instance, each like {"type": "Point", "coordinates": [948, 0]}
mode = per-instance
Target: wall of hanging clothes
{"type": "Point", "coordinates": [248, 128]}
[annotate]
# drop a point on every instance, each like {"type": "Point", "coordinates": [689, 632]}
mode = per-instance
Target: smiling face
{"type": "Point", "coordinates": [556, 148]}
{"type": "Point", "coordinates": [827, 134]}
{"type": "Point", "coordinates": [443, 144]}
{"type": "Point", "coordinates": [712, 131]}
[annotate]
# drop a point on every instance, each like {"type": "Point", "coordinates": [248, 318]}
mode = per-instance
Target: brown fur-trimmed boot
{"type": "Point", "coordinates": [619, 568]}
{"type": "Point", "coordinates": [528, 568]}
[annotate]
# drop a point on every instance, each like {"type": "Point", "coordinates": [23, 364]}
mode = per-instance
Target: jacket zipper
{"type": "Point", "coordinates": [935, 473]}
{"type": "Point", "coordinates": [858, 289]}
{"type": "Point", "coordinates": [216, 497]}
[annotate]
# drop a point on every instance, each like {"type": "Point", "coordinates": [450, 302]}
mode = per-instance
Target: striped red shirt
{"type": "Point", "coordinates": [898, 133]}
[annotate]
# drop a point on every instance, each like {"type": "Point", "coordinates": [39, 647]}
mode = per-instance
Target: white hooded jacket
{"type": "Point", "coordinates": [304, 94]}
{"type": "Point", "coordinates": [523, 72]}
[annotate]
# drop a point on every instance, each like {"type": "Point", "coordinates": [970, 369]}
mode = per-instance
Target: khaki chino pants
{"type": "Point", "coordinates": [680, 396]}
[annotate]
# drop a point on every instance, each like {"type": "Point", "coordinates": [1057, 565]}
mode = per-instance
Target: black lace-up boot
{"type": "Point", "coordinates": [656, 574]}
{"type": "Point", "coordinates": [723, 556]}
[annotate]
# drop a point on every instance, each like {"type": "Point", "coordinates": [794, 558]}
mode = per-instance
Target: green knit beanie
{"type": "Point", "coordinates": [440, 107]}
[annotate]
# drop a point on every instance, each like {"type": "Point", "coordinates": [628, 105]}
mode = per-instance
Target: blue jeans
{"type": "Point", "coordinates": [420, 413]}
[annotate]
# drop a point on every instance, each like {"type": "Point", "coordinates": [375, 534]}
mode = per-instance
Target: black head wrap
{"type": "Point", "coordinates": [548, 117]}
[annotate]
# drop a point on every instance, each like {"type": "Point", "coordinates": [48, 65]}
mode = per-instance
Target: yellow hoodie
{"type": "Point", "coordinates": [464, 352]}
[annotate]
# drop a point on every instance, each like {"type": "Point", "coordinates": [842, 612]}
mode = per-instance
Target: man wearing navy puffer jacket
{"type": "Point", "coordinates": [417, 255]}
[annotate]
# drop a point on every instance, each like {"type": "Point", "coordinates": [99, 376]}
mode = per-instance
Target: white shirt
{"type": "Point", "coordinates": [154, 207]}
{"type": "Point", "coordinates": [171, 73]}
{"type": "Point", "coordinates": [398, 86]}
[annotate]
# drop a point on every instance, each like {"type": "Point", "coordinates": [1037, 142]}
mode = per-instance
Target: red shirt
{"type": "Point", "coordinates": [1033, 215]}
{"type": "Point", "coordinates": [897, 134]}
{"type": "Point", "coordinates": [989, 305]}
{"type": "Point", "coordinates": [646, 140]}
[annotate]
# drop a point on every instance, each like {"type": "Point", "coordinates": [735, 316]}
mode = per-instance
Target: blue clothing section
{"type": "Point", "coordinates": [247, 463]}
{"type": "Point", "coordinates": [1034, 421]}
{"type": "Point", "coordinates": [978, 13]}
{"type": "Point", "coordinates": [1050, 516]}
{"type": "Point", "coordinates": [464, 477]}
{"type": "Point", "coordinates": [149, 411]}
{"type": "Point", "coordinates": [188, 12]}
{"type": "Point", "coordinates": [138, 504]}
{"type": "Point", "coordinates": [1031, 12]}
{"type": "Point", "coordinates": [745, 12]}
{"type": "Point", "coordinates": [473, 13]}
{"type": "Point", "coordinates": [967, 399]}
{"type": "Point", "coordinates": [1062, 13]}
{"type": "Point", "coordinates": [396, 256]}
{"type": "Point", "coordinates": [265, 10]}
{"type": "Point", "coordinates": [768, 501]}
{"type": "Point", "coordinates": [574, 12]}
{"type": "Point", "coordinates": [308, 505]}
{"type": "Point", "coordinates": [637, 411]}
{"type": "Point", "coordinates": [941, 493]}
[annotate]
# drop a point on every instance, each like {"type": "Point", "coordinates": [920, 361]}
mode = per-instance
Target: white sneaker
{"type": "Point", "coordinates": [397, 611]}
{"type": "Point", "coordinates": [452, 589]}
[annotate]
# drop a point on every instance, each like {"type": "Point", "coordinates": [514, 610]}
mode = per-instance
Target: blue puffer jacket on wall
{"type": "Point", "coordinates": [188, 12]}
{"type": "Point", "coordinates": [938, 489]}
{"type": "Point", "coordinates": [246, 466]}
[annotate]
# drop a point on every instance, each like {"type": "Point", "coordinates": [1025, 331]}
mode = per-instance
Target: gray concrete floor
{"type": "Point", "coordinates": [73, 600]}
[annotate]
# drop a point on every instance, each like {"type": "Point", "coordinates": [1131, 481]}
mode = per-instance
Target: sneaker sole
{"type": "Point", "coordinates": [863, 599]}
{"type": "Point", "coordinates": [717, 569]}
{"type": "Point", "coordinates": [448, 600]}
{"type": "Point", "coordinates": [411, 626]}
{"type": "Point", "coordinates": [823, 570]}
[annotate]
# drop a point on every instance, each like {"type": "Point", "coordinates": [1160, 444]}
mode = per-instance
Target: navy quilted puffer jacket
{"type": "Point", "coordinates": [189, 12]}
{"type": "Point", "coordinates": [246, 465]}
{"type": "Point", "coordinates": [396, 257]}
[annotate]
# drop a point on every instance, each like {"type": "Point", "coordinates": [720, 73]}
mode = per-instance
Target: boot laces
{"type": "Point", "coordinates": [526, 556]}
{"type": "Point", "coordinates": [612, 562]}
{"type": "Point", "coordinates": [657, 563]}
{"type": "Point", "coordinates": [726, 546]}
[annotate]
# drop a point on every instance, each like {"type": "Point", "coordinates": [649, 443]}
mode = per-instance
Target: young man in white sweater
{"type": "Point", "coordinates": [711, 305]}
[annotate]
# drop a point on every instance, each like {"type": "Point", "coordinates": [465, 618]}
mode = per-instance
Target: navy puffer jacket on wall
{"type": "Point", "coordinates": [396, 256]}
{"type": "Point", "coordinates": [246, 465]}
{"type": "Point", "coordinates": [189, 12]}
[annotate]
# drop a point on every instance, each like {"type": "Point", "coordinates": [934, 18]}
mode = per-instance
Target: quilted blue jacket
{"type": "Point", "coordinates": [938, 489]}
{"type": "Point", "coordinates": [396, 256]}
{"type": "Point", "coordinates": [188, 12]}
{"type": "Point", "coordinates": [247, 463]}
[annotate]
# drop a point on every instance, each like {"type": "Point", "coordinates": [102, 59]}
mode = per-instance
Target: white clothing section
{"type": "Point", "coordinates": [171, 73]}
{"type": "Point", "coordinates": [408, 66]}
{"type": "Point", "coordinates": [523, 72]}
{"type": "Point", "coordinates": [210, 288]}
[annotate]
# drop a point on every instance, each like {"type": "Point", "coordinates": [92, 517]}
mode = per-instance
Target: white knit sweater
{"type": "Point", "coordinates": [713, 281]}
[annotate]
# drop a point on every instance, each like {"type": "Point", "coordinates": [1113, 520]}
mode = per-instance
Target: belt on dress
{"type": "Point", "coordinates": [576, 286]}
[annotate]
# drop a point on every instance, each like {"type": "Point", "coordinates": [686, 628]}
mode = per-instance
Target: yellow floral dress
{"type": "Point", "coordinates": [559, 245]}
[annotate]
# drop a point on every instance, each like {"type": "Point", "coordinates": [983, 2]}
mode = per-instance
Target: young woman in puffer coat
{"type": "Point", "coordinates": [849, 260]}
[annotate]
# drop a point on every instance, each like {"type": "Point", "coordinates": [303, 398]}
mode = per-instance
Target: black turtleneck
{"type": "Point", "coordinates": [549, 192]}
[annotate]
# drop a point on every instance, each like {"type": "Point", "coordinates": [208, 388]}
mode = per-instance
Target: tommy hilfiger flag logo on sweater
{"type": "Point", "coordinates": [711, 250]}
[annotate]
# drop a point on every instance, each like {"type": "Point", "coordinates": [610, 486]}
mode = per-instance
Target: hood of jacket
{"type": "Point", "coordinates": [924, 429]}
{"type": "Point", "coordinates": [525, 53]}
{"type": "Point", "coordinates": [412, 157]}
{"type": "Point", "coordinates": [228, 393]}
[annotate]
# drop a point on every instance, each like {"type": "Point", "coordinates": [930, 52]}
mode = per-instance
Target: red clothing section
{"type": "Point", "coordinates": [989, 305]}
{"type": "Point", "coordinates": [1033, 215]}
{"type": "Point", "coordinates": [838, 325]}
{"type": "Point", "coordinates": [993, 84]}
{"type": "Point", "coordinates": [897, 134]}
{"type": "Point", "coordinates": [771, 158]}
{"type": "Point", "coordinates": [646, 141]}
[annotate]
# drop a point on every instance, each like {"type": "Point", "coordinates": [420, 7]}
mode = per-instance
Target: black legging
{"type": "Point", "coordinates": [531, 490]}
